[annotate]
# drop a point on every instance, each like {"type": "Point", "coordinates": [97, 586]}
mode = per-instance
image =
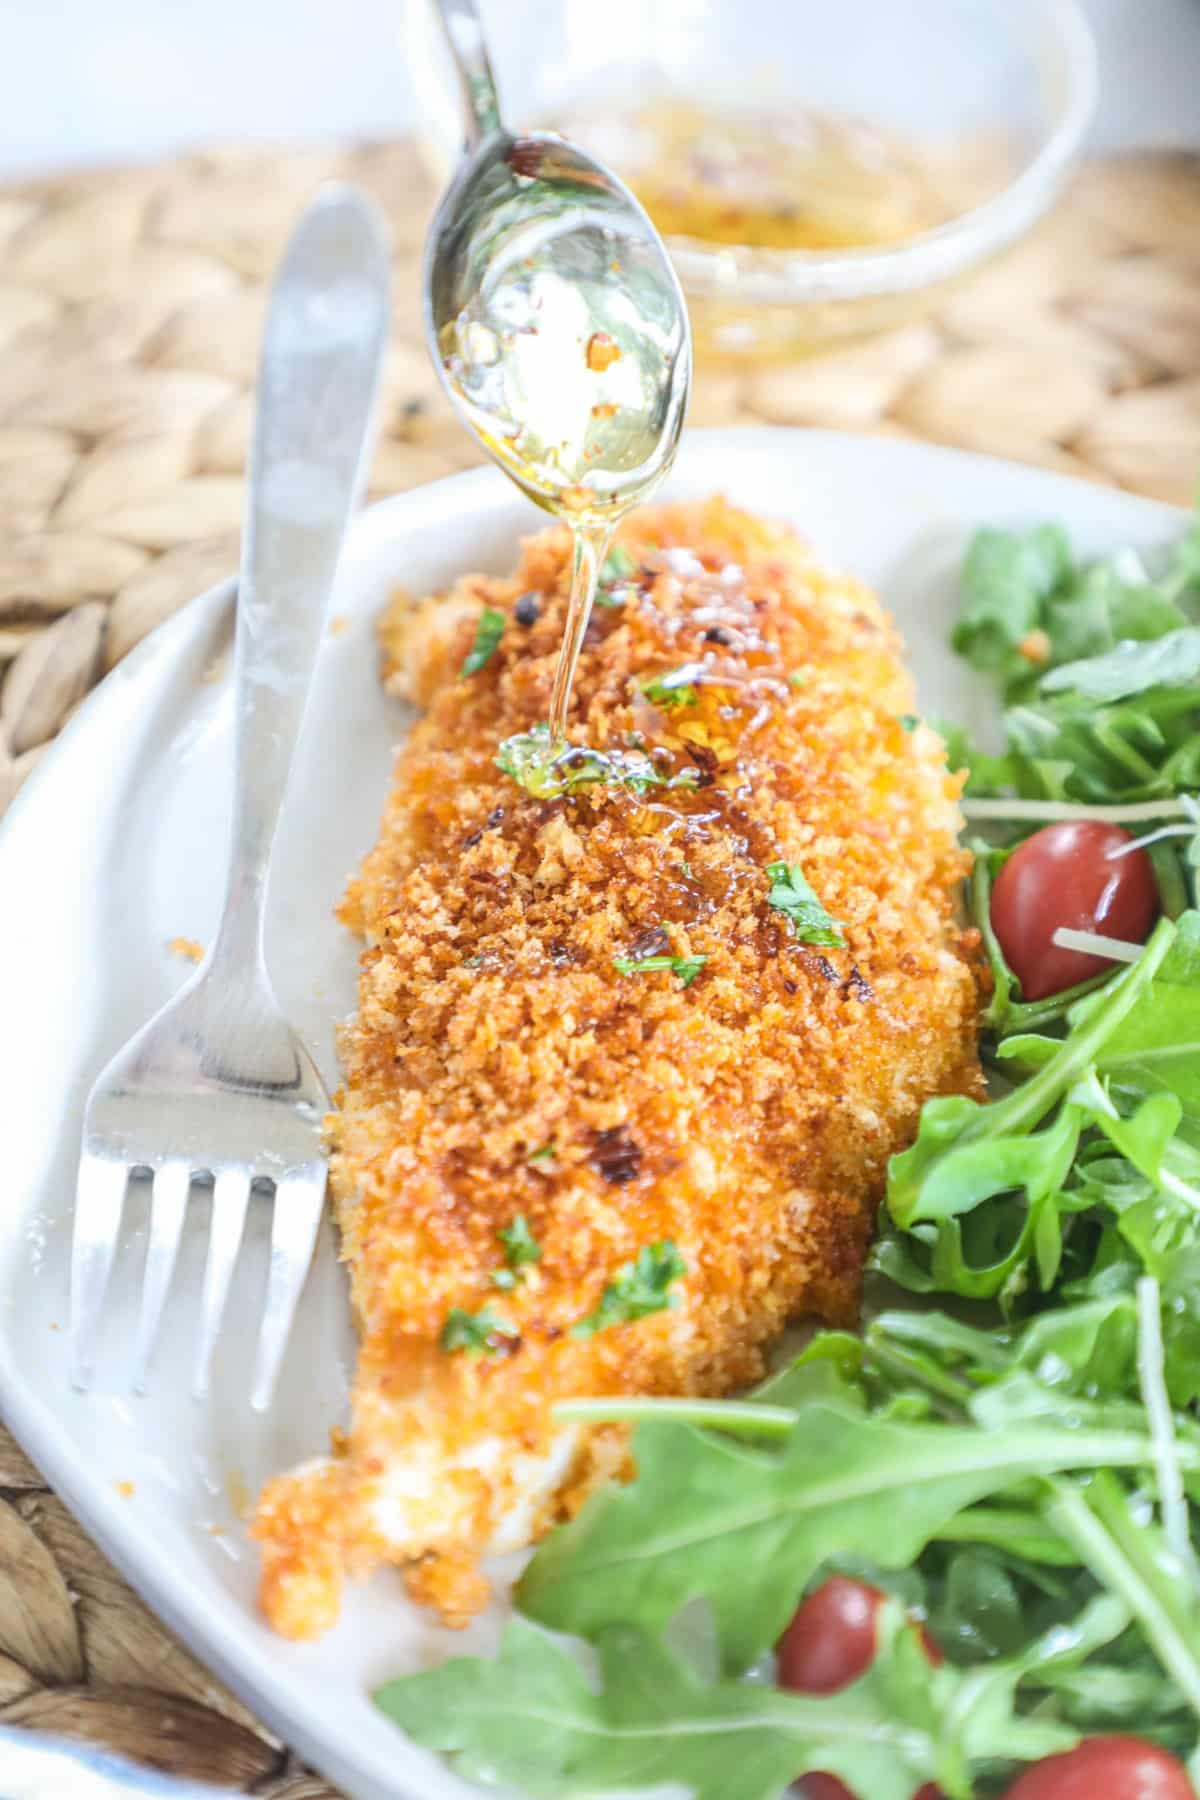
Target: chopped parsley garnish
{"type": "Point", "coordinates": [675, 688]}
{"type": "Point", "coordinates": [791, 895]}
{"type": "Point", "coordinates": [547, 1153]}
{"type": "Point", "coordinates": [474, 1332]}
{"type": "Point", "coordinates": [910, 721]}
{"type": "Point", "coordinates": [488, 633]}
{"type": "Point", "coordinates": [521, 1249]}
{"type": "Point", "coordinates": [686, 967]}
{"type": "Point", "coordinates": [520, 1245]}
{"type": "Point", "coordinates": [799, 678]}
{"type": "Point", "coordinates": [618, 565]}
{"type": "Point", "coordinates": [546, 771]}
{"type": "Point", "coordinates": [640, 1288]}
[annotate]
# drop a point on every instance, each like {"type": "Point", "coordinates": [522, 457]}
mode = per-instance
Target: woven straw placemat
{"type": "Point", "coordinates": [130, 309]}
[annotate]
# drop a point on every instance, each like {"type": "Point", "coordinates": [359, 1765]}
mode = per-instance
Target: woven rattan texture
{"type": "Point", "coordinates": [130, 307]}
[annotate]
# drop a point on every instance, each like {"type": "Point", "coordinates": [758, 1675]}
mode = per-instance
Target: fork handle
{"type": "Point", "coordinates": [318, 373]}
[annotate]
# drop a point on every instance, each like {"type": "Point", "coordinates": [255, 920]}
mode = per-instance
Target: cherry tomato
{"type": "Point", "coordinates": [831, 1639]}
{"type": "Point", "coordinates": [1117, 1768]}
{"type": "Point", "coordinates": [830, 1642]}
{"type": "Point", "coordinates": [1066, 875]}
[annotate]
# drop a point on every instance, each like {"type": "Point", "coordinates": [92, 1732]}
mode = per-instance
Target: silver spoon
{"type": "Point", "coordinates": [553, 313]}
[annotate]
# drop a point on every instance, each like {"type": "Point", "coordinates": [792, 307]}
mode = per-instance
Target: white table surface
{"type": "Point", "coordinates": [103, 80]}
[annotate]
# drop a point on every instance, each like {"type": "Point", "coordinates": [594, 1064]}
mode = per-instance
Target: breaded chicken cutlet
{"type": "Point", "coordinates": [609, 1120]}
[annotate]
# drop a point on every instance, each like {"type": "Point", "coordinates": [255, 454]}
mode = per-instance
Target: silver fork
{"type": "Point", "coordinates": [218, 1084]}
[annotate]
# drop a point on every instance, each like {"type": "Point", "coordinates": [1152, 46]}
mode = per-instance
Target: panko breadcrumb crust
{"type": "Point", "coordinates": [747, 1117]}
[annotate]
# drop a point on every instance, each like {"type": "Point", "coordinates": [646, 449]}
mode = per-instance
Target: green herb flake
{"type": "Point", "coordinates": [617, 568]}
{"type": "Point", "coordinates": [618, 565]}
{"type": "Point", "coordinates": [546, 1154]}
{"type": "Point", "coordinates": [546, 771]}
{"type": "Point", "coordinates": [642, 1287]}
{"type": "Point", "coordinates": [520, 1245]}
{"type": "Point", "coordinates": [674, 690]}
{"type": "Point", "coordinates": [488, 633]}
{"type": "Point", "coordinates": [791, 895]}
{"type": "Point", "coordinates": [909, 721]}
{"type": "Point", "coordinates": [686, 967]}
{"type": "Point", "coordinates": [474, 1332]}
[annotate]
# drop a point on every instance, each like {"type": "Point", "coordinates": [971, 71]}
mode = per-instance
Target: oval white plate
{"type": "Point", "coordinates": [117, 846]}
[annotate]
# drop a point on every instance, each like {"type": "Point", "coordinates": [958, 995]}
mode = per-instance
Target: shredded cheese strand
{"type": "Point", "coordinates": [1094, 943]}
{"type": "Point", "coordinates": [1152, 1380]}
{"type": "Point", "coordinates": [1129, 812]}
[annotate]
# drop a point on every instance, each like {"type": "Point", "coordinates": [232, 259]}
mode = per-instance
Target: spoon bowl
{"type": "Point", "coordinates": [553, 313]}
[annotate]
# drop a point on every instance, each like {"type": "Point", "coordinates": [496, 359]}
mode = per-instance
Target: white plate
{"type": "Point", "coordinates": [117, 846]}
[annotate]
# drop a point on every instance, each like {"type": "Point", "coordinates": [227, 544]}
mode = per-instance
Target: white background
{"type": "Point", "coordinates": [101, 80]}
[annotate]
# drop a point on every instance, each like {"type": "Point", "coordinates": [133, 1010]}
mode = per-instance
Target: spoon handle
{"type": "Point", "coordinates": [464, 34]}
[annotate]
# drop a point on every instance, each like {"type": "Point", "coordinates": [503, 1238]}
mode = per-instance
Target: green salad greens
{"type": "Point", "coordinates": [1010, 1450]}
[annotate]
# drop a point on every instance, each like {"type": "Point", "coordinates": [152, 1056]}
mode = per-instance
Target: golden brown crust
{"type": "Point", "coordinates": [748, 1117]}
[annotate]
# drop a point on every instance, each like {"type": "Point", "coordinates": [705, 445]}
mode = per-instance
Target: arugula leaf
{"type": "Point", "coordinates": [531, 1720]}
{"type": "Point", "coordinates": [1098, 665]}
{"type": "Point", "coordinates": [640, 1288]}
{"type": "Point", "coordinates": [686, 967]}
{"type": "Point", "coordinates": [1128, 1554]}
{"type": "Point", "coordinates": [1105, 605]}
{"type": "Point", "coordinates": [476, 1333]}
{"type": "Point", "coordinates": [1007, 579]}
{"type": "Point", "coordinates": [925, 1182]}
{"type": "Point", "coordinates": [747, 1529]}
{"type": "Point", "coordinates": [791, 895]}
{"type": "Point", "coordinates": [1131, 668]}
{"type": "Point", "coordinates": [1158, 1044]}
{"type": "Point", "coordinates": [545, 770]}
{"type": "Point", "coordinates": [488, 633]}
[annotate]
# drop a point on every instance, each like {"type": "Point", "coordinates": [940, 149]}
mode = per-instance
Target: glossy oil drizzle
{"type": "Point", "coordinates": [590, 545]}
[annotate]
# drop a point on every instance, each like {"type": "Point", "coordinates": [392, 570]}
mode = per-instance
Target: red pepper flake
{"type": "Point", "coordinates": [602, 351]}
{"type": "Point", "coordinates": [525, 157]}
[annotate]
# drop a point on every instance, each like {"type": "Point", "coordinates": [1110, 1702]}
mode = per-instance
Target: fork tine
{"type": "Point", "coordinates": [231, 1195]}
{"type": "Point", "coordinates": [299, 1204]}
{"type": "Point", "coordinates": [99, 1202]}
{"type": "Point", "coordinates": [167, 1207]}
